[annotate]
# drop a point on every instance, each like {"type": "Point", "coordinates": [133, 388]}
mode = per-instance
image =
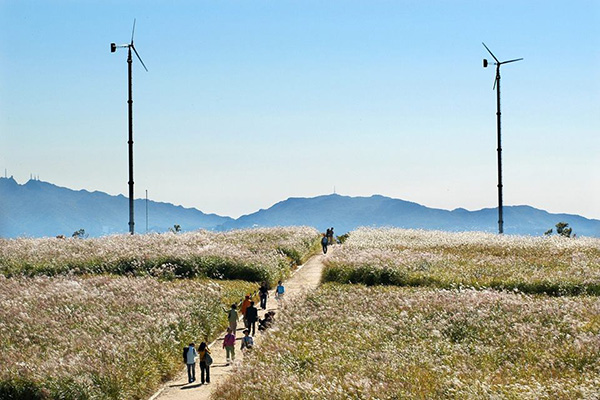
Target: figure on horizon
{"type": "Point", "coordinates": [325, 242]}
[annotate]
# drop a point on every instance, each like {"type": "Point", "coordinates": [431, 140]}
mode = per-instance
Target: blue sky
{"type": "Point", "coordinates": [248, 103]}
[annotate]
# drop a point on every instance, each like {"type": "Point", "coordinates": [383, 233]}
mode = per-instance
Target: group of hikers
{"type": "Point", "coordinates": [250, 317]}
{"type": "Point", "coordinates": [327, 239]}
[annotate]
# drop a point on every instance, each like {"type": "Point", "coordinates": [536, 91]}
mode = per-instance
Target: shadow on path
{"type": "Point", "coordinates": [184, 387]}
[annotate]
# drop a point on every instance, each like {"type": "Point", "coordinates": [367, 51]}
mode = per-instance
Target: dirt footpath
{"type": "Point", "coordinates": [306, 277]}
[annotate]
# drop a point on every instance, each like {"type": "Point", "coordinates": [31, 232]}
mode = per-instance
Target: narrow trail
{"type": "Point", "coordinates": [307, 277]}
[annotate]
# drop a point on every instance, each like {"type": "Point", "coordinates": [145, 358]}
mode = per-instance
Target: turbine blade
{"type": "Point", "coordinates": [495, 81]}
{"type": "Point", "coordinates": [133, 31]}
{"type": "Point", "coordinates": [509, 61]}
{"type": "Point", "coordinates": [139, 58]}
{"type": "Point", "coordinates": [489, 51]}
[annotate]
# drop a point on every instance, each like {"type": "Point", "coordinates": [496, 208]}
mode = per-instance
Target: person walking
{"type": "Point", "coordinates": [330, 237]}
{"type": "Point", "coordinates": [324, 243]}
{"type": "Point", "coordinates": [264, 293]}
{"type": "Point", "coordinates": [232, 317]}
{"type": "Point", "coordinates": [205, 362]}
{"type": "Point", "coordinates": [279, 292]}
{"type": "Point", "coordinates": [247, 341]}
{"type": "Point", "coordinates": [229, 346]}
{"type": "Point", "coordinates": [189, 357]}
{"type": "Point", "coordinates": [252, 317]}
{"type": "Point", "coordinates": [245, 305]}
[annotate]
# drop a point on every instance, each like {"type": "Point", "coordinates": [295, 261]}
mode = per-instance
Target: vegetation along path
{"type": "Point", "coordinates": [306, 278]}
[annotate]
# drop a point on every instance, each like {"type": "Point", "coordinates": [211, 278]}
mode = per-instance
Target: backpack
{"type": "Point", "coordinates": [208, 359]}
{"type": "Point", "coordinates": [185, 351]}
{"type": "Point", "coordinates": [324, 241]}
{"type": "Point", "coordinates": [280, 289]}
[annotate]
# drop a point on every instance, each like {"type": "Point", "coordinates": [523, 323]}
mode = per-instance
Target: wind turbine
{"type": "Point", "coordinates": [113, 48]}
{"type": "Point", "coordinates": [498, 114]}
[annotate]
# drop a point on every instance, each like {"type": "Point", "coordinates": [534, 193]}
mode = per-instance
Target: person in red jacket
{"type": "Point", "coordinates": [245, 305]}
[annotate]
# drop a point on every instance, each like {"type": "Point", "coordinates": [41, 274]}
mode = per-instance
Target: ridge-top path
{"type": "Point", "coordinates": [307, 277]}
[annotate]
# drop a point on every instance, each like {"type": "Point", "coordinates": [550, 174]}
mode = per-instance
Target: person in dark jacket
{"type": "Point", "coordinates": [252, 317]}
{"type": "Point", "coordinates": [263, 293]}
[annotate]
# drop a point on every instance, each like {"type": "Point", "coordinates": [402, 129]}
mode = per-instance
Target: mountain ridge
{"type": "Point", "coordinates": [378, 210]}
{"type": "Point", "coordinates": [39, 208]}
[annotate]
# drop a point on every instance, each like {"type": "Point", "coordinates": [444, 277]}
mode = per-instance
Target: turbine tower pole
{"type": "Point", "coordinates": [130, 46]}
{"type": "Point", "coordinates": [498, 63]}
{"type": "Point", "coordinates": [499, 128]}
{"type": "Point", "coordinates": [130, 142]}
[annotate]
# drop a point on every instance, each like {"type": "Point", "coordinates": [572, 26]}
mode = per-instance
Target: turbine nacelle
{"type": "Point", "coordinates": [114, 47]}
{"type": "Point", "coordinates": [498, 63]}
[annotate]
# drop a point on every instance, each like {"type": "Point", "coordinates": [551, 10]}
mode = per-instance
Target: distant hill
{"type": "Point", "coordinates": [38, 209]}
{"type": "Point", "coordinates": [346, 213]}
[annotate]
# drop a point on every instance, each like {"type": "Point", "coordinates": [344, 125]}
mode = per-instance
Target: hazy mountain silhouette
{"type": "Point", "coordinates": [39, 208]}
{"type": "Point", "coordinates": [346, 213]}
{"type": "Point", "coordinates": [42, 209]}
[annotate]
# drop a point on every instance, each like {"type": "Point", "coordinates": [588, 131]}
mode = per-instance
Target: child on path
{"type": "Point", "coordinates": [229, 346]}
{"type": "Point", "coordinates": [264, 293]}
{"type": "Point", "coordinates": [232, 317]}
{"type": "Point", "coordinates": [279, 291]}
{"type": "Point", "coordinates": [205, 362]}
{"type": "Point", "coordinates": [189, 357]}
{"type": "Point", "coordinates": [247, 341]}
